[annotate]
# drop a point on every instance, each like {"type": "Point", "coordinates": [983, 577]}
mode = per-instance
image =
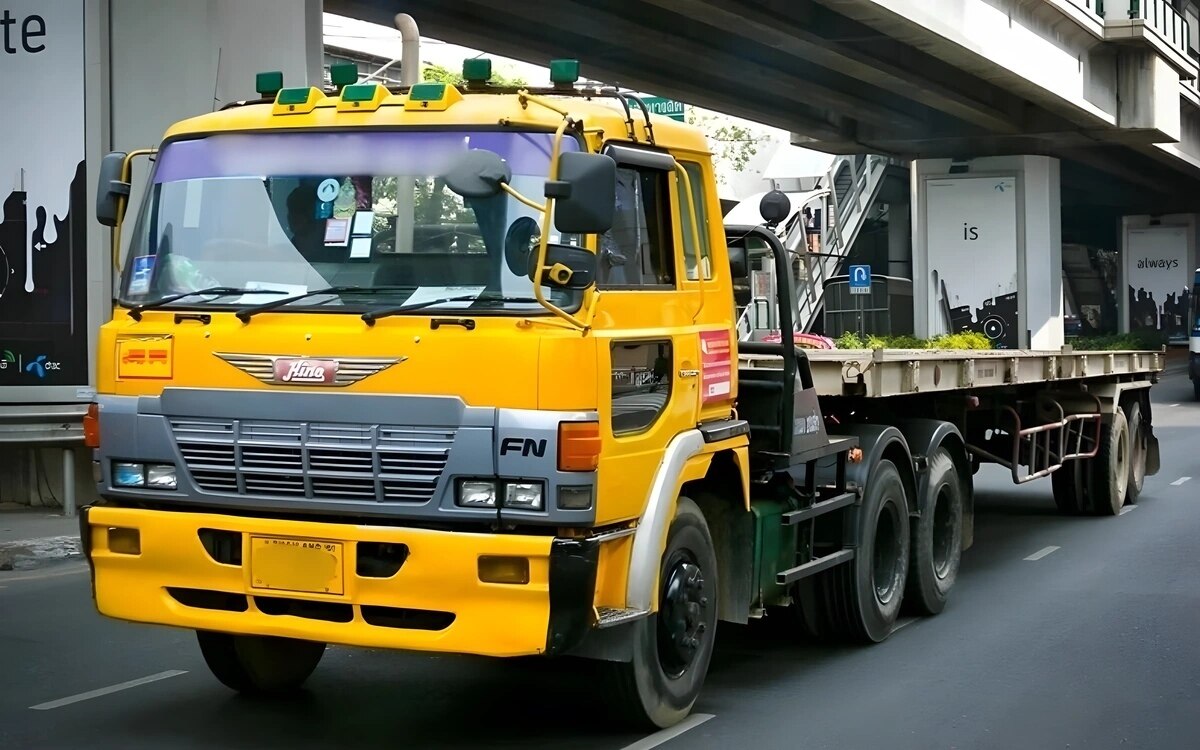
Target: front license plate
{"type": "Point", "coordinates": [311, 566]}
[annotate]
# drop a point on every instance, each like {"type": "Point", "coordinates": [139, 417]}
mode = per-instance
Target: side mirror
{"type": "Point", "coordinates": [774, 207]}
{"type": "Point", "coordinates": [738, 267]}
{"type": "Point", "coordinates": [478, 173]}
{"type": "Point", "coordinates": [585, 193]}
{"type": "Point", "coordinates": [112, 193]}
{"type": "Point", "coordinates": [568, 267]}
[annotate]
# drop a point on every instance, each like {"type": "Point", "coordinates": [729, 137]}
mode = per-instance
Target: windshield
{"type": "Point", "coordinates": [273, 215]}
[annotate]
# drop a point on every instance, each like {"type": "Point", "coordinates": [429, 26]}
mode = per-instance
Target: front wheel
{"type": "Point", "coordinates": [672, 648]}
{"type": "Point", "coordinates": [259, 664]}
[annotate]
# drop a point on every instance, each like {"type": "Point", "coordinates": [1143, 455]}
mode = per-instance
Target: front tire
{"type": "Point", "coordinates": [259, 664]}
{"type": "Point", "coordinates": [937, 537]}
{"type": "Point", "coordinates": [672, 648]}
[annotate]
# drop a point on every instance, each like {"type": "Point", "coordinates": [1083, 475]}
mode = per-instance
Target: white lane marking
{"type": "Point", "coordinates": [1168, 406]}
{"type": "Point", "coordinates": [107, 690]}
{"type": "Point", "coordinates": [670, 733]}
{"type": "Point", "coordinates": [904, 623]}
{"type": "Point", "coordinates": [1043, 552]}
{"type": "Point", "coordinates": [1126, 509]}
{"type": "Point", "coordinates": [1179, 481]}
{"type": "Point", "coordinates": [58, 571]}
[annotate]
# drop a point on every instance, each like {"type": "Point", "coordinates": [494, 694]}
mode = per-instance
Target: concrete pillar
{"type": "Point", "coordinates": [174, 59]}
{"type": "Point", "coordinates": [900, 240]}
{"type": "Point", "coordinates": [987, 249]}
{"type": "Point", "coordinates": [1158, 258]}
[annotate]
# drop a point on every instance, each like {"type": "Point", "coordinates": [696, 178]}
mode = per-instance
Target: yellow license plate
{"type": "Point", "coordinates": [311, 566]}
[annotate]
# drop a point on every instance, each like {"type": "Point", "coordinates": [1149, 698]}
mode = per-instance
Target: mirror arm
{"type": "Point", "coordinates": [544, 241]}
{"type": "Point", "coordinates": [126, 180]}
{"type": "Point", "coordinates": [528, 202]}
{"type": "Point", "coordinates": [691, 209]}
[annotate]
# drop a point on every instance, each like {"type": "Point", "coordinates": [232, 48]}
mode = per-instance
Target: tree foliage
{"type": "Point", "coordinates": [442, 74]}
{"type": "Point", "coordinates": [733, 145]}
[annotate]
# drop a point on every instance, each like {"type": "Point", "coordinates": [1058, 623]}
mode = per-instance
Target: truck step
{"type": "Point", "coordinates": [610, 617]}
{"type": "Point", "coordinates": [792, 575]}
{"type": "Point", "coordinates": [791, 518]}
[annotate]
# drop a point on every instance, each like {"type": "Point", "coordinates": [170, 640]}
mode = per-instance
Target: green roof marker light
{"type": "Point", "coordinates": [343, 74]}
{"type": "Point", "coordinates": [477, 70]}
{"type": "Point", "coordinates": [564, 72]}
{"type": "Point", "coordinates": [269, 83]}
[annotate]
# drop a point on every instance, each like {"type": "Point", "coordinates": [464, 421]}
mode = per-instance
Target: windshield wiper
{"type": "Point", "coordinates": [374, 315]}
{"type": "Point", "coordinates": [136, 311]}
{"type": "Point", "coordinates": [246, 313]}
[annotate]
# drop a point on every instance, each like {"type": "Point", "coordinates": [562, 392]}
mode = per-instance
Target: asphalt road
{"type": "Point", "coordinates": [1062, 633]}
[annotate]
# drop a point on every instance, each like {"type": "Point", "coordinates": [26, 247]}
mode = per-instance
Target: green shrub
{"type": "Point", "coordinates": [966, 340]}
{"type": "Point", "coordinates": [1136, 341]}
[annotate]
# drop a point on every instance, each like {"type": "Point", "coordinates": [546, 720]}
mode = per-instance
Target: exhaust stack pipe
{"type": "Point", "coordinates": [410, 49]}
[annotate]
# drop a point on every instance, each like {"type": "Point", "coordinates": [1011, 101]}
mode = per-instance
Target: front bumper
{"type": "Point", "coordinates": [434, 602]}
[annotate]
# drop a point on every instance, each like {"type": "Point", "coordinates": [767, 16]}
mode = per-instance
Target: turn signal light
{"type": "Point", "coordinates": [578, 446]}
{"type": "Point", "coordinates": [91, 426]}
{"type": "Point", "coordinates": [497, 569]}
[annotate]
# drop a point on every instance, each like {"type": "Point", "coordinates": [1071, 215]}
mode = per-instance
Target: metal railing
{"type": "Point", "coordinates": [1092, 7]}
{"type": "Point", "coordinates": [1161, 16]}
{"type": "Point", "coordinates": [853, 184]}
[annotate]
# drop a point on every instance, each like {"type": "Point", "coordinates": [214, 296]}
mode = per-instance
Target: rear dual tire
{"type": "Point", "coordinates": [1103, 484]}
{"type": "Point", "coordinates": [860, 600]}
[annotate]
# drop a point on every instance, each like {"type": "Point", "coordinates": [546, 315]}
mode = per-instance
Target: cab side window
{"type": "Point", "coordinates": [638, 252]}
{"type": "Point", "coordinates": [696, 250]}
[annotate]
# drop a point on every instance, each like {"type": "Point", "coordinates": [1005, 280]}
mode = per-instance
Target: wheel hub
{"type": "Point", "coordinates": [681, 617]}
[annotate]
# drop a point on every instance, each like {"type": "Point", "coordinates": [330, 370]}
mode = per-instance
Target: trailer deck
{"type": "Point", "coordinates": [895, 372]}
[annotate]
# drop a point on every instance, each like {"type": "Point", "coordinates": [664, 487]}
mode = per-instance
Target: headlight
{"type": "Point", "coordinates": [154, 476]}
{"type": "Point", "coordinates": [161, 476]}
{"type": "Point", "coordinates": [476, 493]}
{"type": "Point", "coordinates": [129, 475]}
{"type": "Point", "coordinates": [523, 495]}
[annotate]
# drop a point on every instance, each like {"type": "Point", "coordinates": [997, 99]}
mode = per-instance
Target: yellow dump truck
{"type": "Point", "coordinates": [454, 368]}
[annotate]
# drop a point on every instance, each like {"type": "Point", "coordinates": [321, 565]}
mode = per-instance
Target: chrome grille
{"type": "Point", "coordinates": [382, 463]}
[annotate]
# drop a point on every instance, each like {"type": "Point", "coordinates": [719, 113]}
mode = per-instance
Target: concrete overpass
{"type": "Point", "coordinates": [1115, 96]}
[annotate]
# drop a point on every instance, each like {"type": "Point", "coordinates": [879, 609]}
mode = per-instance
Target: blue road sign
{"type": "Point", "coordinates": [860, 279]}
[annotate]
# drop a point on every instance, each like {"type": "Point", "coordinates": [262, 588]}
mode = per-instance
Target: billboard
{"type": "Point", "coordinates": [43, 199]}
{"type": "Point", "coordinates": [972, 256]}
{"type": "Point", "coordinates": [1157, 279]}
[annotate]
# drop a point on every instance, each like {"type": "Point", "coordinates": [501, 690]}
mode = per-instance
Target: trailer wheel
{"type": "Point", "coordinates": [259, 664]}
{"type": "Point", "coordinates": [1138, 450]}
{"type": "Point", "coordinates": [1068, 486]}
{"type": "Point", "coordinates": [862, 599]}
{"type": "Point", "coordinates": [937, 537]}
{"type": "Point", "coordinates": [1108, 478]}
{"type": "Point", "coordinates": [672, 648]}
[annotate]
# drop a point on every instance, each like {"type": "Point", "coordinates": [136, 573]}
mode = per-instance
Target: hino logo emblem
{"type": "Point", "coordinates": [314, 371]}
{"type": "Point", "coordinates": [295, 369]}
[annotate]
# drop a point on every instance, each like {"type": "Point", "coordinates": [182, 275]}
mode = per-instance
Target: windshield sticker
{"type": "Point", "coordinates": [139, 279]}
{"type": "Point", "coordinates": [360, 248]}
{"type": "Point", "coordinates": [327, 191]}
{"type": "Point", "coordinates": [431, 293]}
{"type": "Point", "coordinates": [324, 210]}
{"type": "Point", "coordinates": [285, 291]}
{"type": "Point", "coordinates": [337, 232]}
{"type": "Point", "coordinates": [363, 223]}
